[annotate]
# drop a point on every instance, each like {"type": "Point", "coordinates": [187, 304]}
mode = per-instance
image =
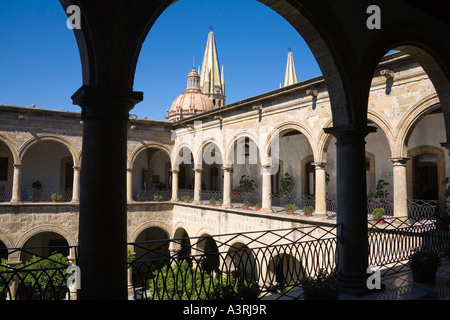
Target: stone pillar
{"type": "Point", "coordinates": [197, 185]}
{"type": "Point", "coordinates": [175, 185]}
{"type": "Point", "coordinates": [400, 187]}
{"type": "Point", "coordinates": [227, 186]}
{"type": "Point", "coordinates": [321, 189]}
{"type": "Point", "coordinates": [266, 189]}
{"type": "Point", "coordinates": [130, 185]}
{"type": "Point", "coordinates": [76, 185]}
{"type": "Point", "coordinates": [103, 192]}
{"type": "Point", "coordinates": [353, 249]}
{"type": "Point", "coordinates": [16, 190]}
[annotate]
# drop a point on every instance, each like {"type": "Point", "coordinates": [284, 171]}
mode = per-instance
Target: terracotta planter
{"type": "Point", "coordinates": [55, 201]}
{"type": "Point", "coordinates": [378, 221]}
{"type": "Point", "coordinates": [258, 208]}
{"type": "Point", "coordinates": [186, 201]}
{"type": "Point", "coordinates": [290, 211]}
{"type": "Point", "coordinates": [308, 214]}
{"type": "Point", "coordinates": [245, 207]}
{"type": "Point", "coordinates": [212, 204]}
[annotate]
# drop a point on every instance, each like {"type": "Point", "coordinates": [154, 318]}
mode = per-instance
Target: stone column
{"type": "Point", "coordinates": [130, 185]}
{"type": "Point", "coordinates": [76, 185]}
{"type": "Point", "coordinates": [16, 190]}
{"type": "Point", "coordinates": [103, 192]}
{"type": "Point", "coordinates": [400, 187]}
{"type": "Point", "coordinates": [353, 249]}
{"type": "Point", "coordinates": [227, 186]}
{"type": "Point", "coordinates": [321, 189]}
{"type": "Point", "coordinates": [175, 185]}
{"type": "Point", "coordinates": [266, 189]}
{"type": "Point", "coordinates": [197, 185]}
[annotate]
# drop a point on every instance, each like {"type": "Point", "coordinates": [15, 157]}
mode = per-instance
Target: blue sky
{"type": "Point", "coordinates": [39, 61]}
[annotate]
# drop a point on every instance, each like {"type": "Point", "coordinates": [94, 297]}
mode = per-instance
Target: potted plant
{"type": "Point", "coordinates": [157, 197]}
{"type": "Point", "coordinates": [220, 202]}
{"type": "Point", "coordinates": [141, 197]}
{"type": "Point", "coordinates": [246, 205]}
{"type": "Point", "coordinates": [381, 193]}
{"type": "Point", "coordinates": [377, 215]}
{"type": "Point", "coordinates": [308, 210]}
{"type": "Point", "coordinates": [37, 189]}
{"type": "Point", "coordinates": [56, 197]}
{"type": "Point", "coordinates": [246, 184]}
{"type": "Point", "coordinates": [424, 263]}
{"type": "Point", "coordinates": [186, 199]}
{"type": "Point", "coordinates": [258, 206]}
{"type": "Point", "coordinates": [212, 201]}
{"type": "Point", "coordinates": [290, 208]}
{"type": "Point", "coordinates": [286, 186]}
{"type": "Point", "coordinates": [321, 287]}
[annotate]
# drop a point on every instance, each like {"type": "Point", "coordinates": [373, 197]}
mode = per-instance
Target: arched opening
{"type": "Point", "coordinates": [209, 259]}
{"type": "Point", "coordinates": [241, 263]}
{"type": "Point", "coordinates": [47, 169]}
{"type": "Point", "coordinates": [44, 244]}
{"type": "Point", "coordinates": [284, 270]}
{"type": "Point", "coordinates": [151, 174]}
{"type": "Point", "coordinates": [6, 172]}
{"type": "Point", "coordinates": [212, 177]}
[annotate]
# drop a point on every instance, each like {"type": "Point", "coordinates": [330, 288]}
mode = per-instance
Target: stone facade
{"type": "Point", "coordinates": [403, 106]}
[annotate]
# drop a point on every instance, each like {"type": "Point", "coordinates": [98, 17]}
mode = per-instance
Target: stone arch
{"type": "Point", "coordinates": [410, 120]}
{"type": "Point", "coordinates": [200, 152]}
{"type": "Point", "coordinates": [175, 155]}
{"type": "Point", "coordinates": [381, 122]}
{"type": "Point", "coordinates": [12, 148]}
{"type": "Point", "coordinates": [323, 141]}
{"type": "Point", "coordinates": [229, 149]}
{"type": "Point", "coordinates": [27, 145]}
{"type": "Point", "coordinates": [144, 226]}
{"type": "Point", "coordinates": [28, 234]}
{"type": "Point", "coordinates": [152, 145]}
{"type": "Point", "coordinates": [286, 127]}
{"type": "Point", "coordinates": [240, 261]}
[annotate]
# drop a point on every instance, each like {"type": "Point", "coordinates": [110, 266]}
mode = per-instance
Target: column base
{"type": "Point", "coordinates": [266, 210]}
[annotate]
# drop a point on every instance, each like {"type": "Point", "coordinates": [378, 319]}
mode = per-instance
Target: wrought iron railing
{"type": "Point", "coordinates": [392, 240]}
{"type": "Point", "coordinates": [40, 277]}
{"type": "Point", "coordinates": [249, 265]}
{"type": "Point", "coordinates": [45, 195]}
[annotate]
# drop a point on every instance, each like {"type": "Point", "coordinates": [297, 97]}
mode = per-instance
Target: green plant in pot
{"type": "Point", "coordinates": [141, 197]}
{"type": "Point", "coordinates": [212, 201]}
{"type": "Point", "coordinates": [381, 193]}
{"type": "Point", "coordinates": [424, 263]}
{"type": "Point", "coordinates": [290, 208]}
{"type": "Point", "coordinates": [186, 198]}
{"type": "Point", "coordinates": [286, 185]}
{"type": "Point", "coordinates": [246, 205]}
{"type": "Point", "coordinates": [56, 197]}
{"type": "Point", "coordinates": [308, 210]}
{"type": "Point", "coordinates": [157, 197]}
{"type": "Point", "coordinates": [377, 215]}
{"type": "Point", "coordinates": [258, 206]}
{"type": "Point", "coordinates": [321, 287]}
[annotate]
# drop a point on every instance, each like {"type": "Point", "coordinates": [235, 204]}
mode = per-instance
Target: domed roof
{"type": "Point", "coordinates": [191, 102]}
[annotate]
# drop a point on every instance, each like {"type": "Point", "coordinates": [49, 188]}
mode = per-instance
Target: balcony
{"type": "Point", "coordinates": [267, 264]}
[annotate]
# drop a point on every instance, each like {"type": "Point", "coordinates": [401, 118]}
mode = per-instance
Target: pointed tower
{"type": "Point", "coordinates": [291, 76]}
{"type": "Point", "coordinates": [211, 78]}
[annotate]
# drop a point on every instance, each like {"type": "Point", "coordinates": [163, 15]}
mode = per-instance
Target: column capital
{"type": "Point", "coordinates": [321, 165]}
{"type": "Point", "coordinates": [175, 171]}
{"type": "Point", "coordinates": [350, 132]}
{"type": "Point", "coordinates": [18, 165]}
{"type": "Point", "coordinates": [227, 168]}
{"type": "Point", "coordinates": [198, 170]}
{"type": "Point", "coordinates": [97, 101]}
{"type": "Point", "coordinates": [76, 168]}
{"type": "Point", "coordinates": [399, 161]}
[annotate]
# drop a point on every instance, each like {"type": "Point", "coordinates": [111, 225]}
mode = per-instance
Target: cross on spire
{"type": "Point", "coordinates": [211, 28]}
{"type": "Point", "coordinates": [290, 49]}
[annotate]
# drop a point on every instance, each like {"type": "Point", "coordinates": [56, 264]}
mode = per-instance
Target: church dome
{"type": "Point", "coordinates": [191, 102]}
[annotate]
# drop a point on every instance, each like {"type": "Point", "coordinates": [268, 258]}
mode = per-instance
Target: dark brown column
{"type": "Point", "coordinates": [103, 210]}
{"type": "Point", "coordinates": [353, 250]}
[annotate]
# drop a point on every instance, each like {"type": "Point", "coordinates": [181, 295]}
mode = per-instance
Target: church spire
{"type": "Point", "coordinates": [211, 77]}
{"type": "Point", "coordinates": [291, 76]}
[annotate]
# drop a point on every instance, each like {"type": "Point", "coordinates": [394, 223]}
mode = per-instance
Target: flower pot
{"type": "Point", "coordinates": [55, 200]}
{"type": "Point", "coordinates": [308, 214]}
{"type": "Point", "coordinates": [185, 201]}
{"type": "Point", "coordinates": [212, 204]}
{"type": "Point", "coordinates": [289, 211]}
{"type": "Point", "coordinates": [378, 221]}
{"type": "Point", "coordinates": [258, 208]}
{"type": "Point", "coordinates": [245, 207]}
